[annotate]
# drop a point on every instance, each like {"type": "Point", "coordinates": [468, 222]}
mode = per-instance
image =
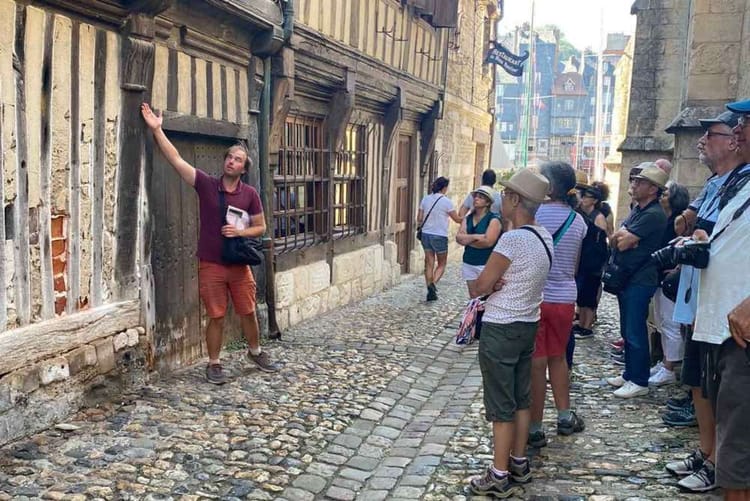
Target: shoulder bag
{"type": "Point", "coordinates": [419, 228]}
{"type": "Point", "coordinates": [238, 250]}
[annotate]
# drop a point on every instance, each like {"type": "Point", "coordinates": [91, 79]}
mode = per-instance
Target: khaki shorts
{"type": "Point", "coordinates": [732, 410]}
{"type": "Point", "coordinates": [218, 281]}
{"type": "Point", "coordinates": [505, 359]}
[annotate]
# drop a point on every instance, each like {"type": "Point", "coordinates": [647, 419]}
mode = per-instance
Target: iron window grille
{"type": "Point", "coordinates": [319, 195]}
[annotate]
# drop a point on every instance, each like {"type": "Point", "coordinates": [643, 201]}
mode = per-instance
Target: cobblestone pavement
{"type": "Point", "coordinates": [374, 402]}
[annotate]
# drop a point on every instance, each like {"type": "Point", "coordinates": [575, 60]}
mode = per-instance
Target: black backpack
{"type": "Point", "coordinates": [594, 250]}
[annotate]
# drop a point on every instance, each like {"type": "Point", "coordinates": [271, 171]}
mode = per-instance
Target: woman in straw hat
{"type": "Point", "coordinates": [514, 277]}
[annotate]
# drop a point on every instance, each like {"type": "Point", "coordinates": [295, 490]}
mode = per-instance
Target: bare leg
{"type": "Point", "coordinates": [706, 424]}
{"type": "Point", "coordinates": [538, 388]}
{"type": "Point", "coordinates": [250, 330]}
{"type": "Point", "coordinates": [585, 317]}
{"type": "Point", "coordinates": [737, 494]}
{"type": "Point", "coordinates": [502, 440]}
{"type": "Point", "coordinates": [214, 338]}
{"type": "Point", "coordinates": [442, 259]}
{"type": "Point", "coordinates": [429, 267]}
{"type": "Point", "coordinates": [523, 418]}
{"type": "Point", "coordinates": [559, 378]}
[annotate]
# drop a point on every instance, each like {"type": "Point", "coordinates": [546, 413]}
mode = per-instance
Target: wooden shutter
{"type": "Point", "coordinates": [445, 14]}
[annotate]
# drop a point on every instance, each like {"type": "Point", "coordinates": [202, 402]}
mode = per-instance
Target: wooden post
{"type": "Point", "coordinates": [393, 116]}
{"type": "Point", "coordinates": [136, 76]}
{"type": "Point", "coordinates": [429, 130]}
{"type": "Point", "coordinates": [21, 206]}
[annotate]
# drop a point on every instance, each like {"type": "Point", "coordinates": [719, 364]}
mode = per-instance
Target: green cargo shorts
{"type": "Point", "coordinates": [505, 359]}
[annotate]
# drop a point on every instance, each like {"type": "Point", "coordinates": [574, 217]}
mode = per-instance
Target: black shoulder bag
{"type": "Point", "coordinates": [238, 250]}
{"type": "Point", "coordinates": [419, 228]}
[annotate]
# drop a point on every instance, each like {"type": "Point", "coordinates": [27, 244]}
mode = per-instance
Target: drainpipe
{"type": "Point", "coordinates": [266, 182]}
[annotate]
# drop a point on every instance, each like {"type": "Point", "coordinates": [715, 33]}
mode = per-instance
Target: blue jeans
{"type": "Point", "coordinates": [633, 303]}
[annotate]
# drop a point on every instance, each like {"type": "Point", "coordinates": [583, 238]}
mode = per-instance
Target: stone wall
{"type": "Point", "coordinates": [41, 394]}
{"type": "Point", "coordinates": [310, 290]}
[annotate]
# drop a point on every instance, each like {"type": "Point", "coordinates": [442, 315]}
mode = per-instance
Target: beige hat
{"type": "Point", "coordinates": [529, 185]}
{"type": "Point", "coordinates": [582, 179]}
{"type": "Point", "coordinates": [653, 174]}
{"type": "Point", "coordinates": [486, 191]}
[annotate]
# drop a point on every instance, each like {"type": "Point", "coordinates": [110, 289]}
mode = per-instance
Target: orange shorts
{"type": "Point", "coordinates": [217, 281]}
{"type": "Point", "coordinates": [554, 329]}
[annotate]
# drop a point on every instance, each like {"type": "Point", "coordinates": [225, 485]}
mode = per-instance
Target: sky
{"type": "Point", "coordinates": [578, 19]}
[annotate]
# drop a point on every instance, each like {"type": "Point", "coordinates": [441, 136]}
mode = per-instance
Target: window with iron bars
{"type": "Point", "coordinates": [319, 195]}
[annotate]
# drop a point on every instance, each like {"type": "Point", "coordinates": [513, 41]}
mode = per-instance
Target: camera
{"type": "Point", "coordinates": [691, 253]}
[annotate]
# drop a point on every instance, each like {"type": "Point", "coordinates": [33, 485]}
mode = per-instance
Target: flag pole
{"type": "Point", "coordinates": [529, 87]}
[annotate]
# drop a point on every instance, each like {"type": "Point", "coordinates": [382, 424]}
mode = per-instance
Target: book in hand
{"type": "Point", "coordinates": [237, 217]}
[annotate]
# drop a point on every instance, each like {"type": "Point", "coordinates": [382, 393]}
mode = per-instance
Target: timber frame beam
{"type": "Point", "coordinates": [391, 126]}
{"type": "Point", "coordinates": [340, 109]}
{"type": "Point", "coordinates": [429, 129]}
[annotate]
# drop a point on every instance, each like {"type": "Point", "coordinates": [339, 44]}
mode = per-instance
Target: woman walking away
{"type": "Point", "coordinates": [674, 200]}
{"type": "Point", "coordinates": [594, 254]}
{"type": "Point", "coordinates": [479, 233]}
{"type": "Point", "coordinates": [567, 227]}
{"type": "Point", "coordinates": [432, 219]}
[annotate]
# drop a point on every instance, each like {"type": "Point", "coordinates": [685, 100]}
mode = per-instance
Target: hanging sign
{"type": "Point", "coordinates": [504, 58]}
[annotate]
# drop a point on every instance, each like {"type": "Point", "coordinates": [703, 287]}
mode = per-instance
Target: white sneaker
{"type": "Point", "coordinates": [617, 382]}
{"type": "Point", "coordinates": [656, 368]}
{"type": "Point", "coordinates": [661, 377]}
{"type": "Point", "coordinates": [630, 390]}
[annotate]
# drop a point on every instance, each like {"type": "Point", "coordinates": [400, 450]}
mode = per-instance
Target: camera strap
{"type": "Point", "coordinates": [742, 208]}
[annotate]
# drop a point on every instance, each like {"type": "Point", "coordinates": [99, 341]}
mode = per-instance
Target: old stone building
{"type": "Point", "coordinates": [688, 62]}
{"type": "Point", "coordinates": [342, 114]}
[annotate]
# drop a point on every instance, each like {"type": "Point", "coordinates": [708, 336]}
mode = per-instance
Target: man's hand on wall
{"type": "Point", "coordinates": [152, 119]}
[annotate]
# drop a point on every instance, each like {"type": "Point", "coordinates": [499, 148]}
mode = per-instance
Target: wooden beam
{"type": "Point", "coordinates": [74, 253]}
{"type": "Point", "coordinates": [45, 175]}
{"type": "Point", "coordinates": [177, 122]}
{"type": "Point", "coordinates": [340, 111]}
{"type": "Point", "coordinates": [3, 300]}
{"type": "Point", "coordinates": [137, 56]}
{"type": "Point", "coordinates": [429, 131]}
{"type": "Point", "coordinates": [391, 126]}
{"type": "Point", "coordinates": [21, 205]}
{"type": "Point", "coordinates": [97, 175]}
{"type": "Point", "coordinates": [26, 345]}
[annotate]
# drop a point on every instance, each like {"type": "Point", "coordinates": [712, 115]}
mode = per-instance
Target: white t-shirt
{"type": "Point", "coordinates": [437, 222]}
{"type": "Point", "coordinates": [724, 283]}
{"type": "Point", "coordinates": [497, 201]}
{"type": "Point", "coordinates": [520, 297]}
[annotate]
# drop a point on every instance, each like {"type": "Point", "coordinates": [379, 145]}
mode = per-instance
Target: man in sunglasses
{"type": "Point", "coordinates": [718, 150]}
{"type": "Point", "coordinates": [723, 319]}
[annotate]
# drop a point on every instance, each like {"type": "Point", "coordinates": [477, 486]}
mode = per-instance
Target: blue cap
{"type": "Point", "coordinates": [727, 118]}
{"type": "Point", "coordinates": [740, 106]}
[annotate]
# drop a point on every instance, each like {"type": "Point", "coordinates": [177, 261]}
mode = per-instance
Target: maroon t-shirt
{"type": "Point", "coordinates": [245, 197]}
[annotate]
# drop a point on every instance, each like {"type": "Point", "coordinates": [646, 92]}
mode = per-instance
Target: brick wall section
{"type": "Point", "coordinates": [59, 261]}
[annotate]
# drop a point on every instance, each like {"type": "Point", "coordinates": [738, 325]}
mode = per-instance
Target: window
{"type": "Point", "coordinates": [569, 105]}
{"type": "Point", "coordinates": [307, 175]}
{"type": "Point", "coordinates": [349, 183]}
{"type": "Point", "coordinates": [301, 184]}
{"type": "Point", "coordinates": [565, 123]}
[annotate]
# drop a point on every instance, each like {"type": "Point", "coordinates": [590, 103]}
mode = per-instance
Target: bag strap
{"type": "Point", "coordinates": [222, 208]}
{"type": "Point", "coordinates": [735, 216]}
{"type": "Point", "coordinates": [558, 234]}
{"type": "Point", "coordinates": [430, 211]}
{"type": "Point", "coordinates": [546, 249]}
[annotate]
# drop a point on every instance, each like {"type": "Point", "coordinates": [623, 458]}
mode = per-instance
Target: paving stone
{"type": "Point", "coordinates": [383, 483]}
{"type": "Point", "coordinates": [353, 474]}
{"type": "Point", "coordinates": [340, 494]}
{"type": "Point", "coordinates": [408, 492]}
{"type": "Point", "coordinates": [372, 496]}
{"type": "Point", "coordinates": [310, 483]}
{"type": "Point", "coordinates": [363, 463]}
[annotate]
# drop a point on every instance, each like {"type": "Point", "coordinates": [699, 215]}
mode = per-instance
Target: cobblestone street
{"type": "Point", "coordinates": [374, 402]}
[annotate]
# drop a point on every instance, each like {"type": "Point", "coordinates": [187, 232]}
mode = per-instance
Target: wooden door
{"type": "Point", "coordinates": [403, 190]}
{"type": "Point", "coordinates": [174, 223]}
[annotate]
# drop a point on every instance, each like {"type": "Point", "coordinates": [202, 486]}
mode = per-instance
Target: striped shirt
{"type": "Point", "coordinates": [561, 282]}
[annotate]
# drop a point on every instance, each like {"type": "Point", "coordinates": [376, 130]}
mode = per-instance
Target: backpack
{"type": "Point", "coordinates": [594, 249]}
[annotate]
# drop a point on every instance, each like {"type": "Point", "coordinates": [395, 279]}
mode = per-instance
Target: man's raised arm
{"type": "Point", "coordinates": [154, 121]}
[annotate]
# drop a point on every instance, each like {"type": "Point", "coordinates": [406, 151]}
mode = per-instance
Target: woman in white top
{"type": "Point", "coordinates": [434, 212]}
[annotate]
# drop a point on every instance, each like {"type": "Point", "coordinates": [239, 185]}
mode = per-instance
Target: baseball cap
{"type": "Point", "coordinates": [728, 118]}
{"type": "Point", "coordinates": [740, 106]}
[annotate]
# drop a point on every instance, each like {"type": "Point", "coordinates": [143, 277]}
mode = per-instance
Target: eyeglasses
{"type": "Point", "coordinates": [712, 134]}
